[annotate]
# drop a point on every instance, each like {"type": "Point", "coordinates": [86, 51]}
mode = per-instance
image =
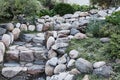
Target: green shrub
{"type": "Point", "coordinates": [94, 28]}
{"type": "Point", "coordinates": [114, 18]}
{"type": "Point", "coordinates": [76, 7]}
{"type": "Point", "coordinates": [12, 8]}
{"type": "Point", "coordinates": [44, 12]}
{"type": "Point", "coordinates": [113, 49]}
{"type": "Point", "coordinates": [63, 8]}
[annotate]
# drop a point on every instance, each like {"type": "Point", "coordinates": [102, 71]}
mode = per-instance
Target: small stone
{"type": "Point", "coordinates": [39, 27]}
{"type": "Point", "coordinates": [53, 61]}
{"type": "Point", "coordinates": [99, 64]}
{"type": "Point", "coordinates": [74, 71]}
{"type": "Point", "coordinates": [71, 63]}
{"type": "Point", "coordinates": [69, 77]}
{"type": "Point", "coordinates": [6, 39]}
{"type": "Point", "coordinates": [26, 56]}
{"type": "Point", "coordinates": [59, 68]}
{"type": "Point", "coordinates": [11, 71]}
{"type": "Point", "coordinates": [74, 31]}
{"type": "Point", "coordinates": [102, 13]}
{"type": "Point", "coordinates": [36, 69]}
{"type": "Point", "coordinates": [62, 60]}
{"type": "Point", "coordinates": [23, 27]}
{"type": "Point", "coordinates": [50, 42]}
{"type": "Point", "coordinates": [18, 25]}
{"type": "Point", "coordinates": [83, 65]}
{"type": "Point", "coordinates": [51, 54]}
{"type": "Point", "coordinates": [73, 54]}
{"type": "Point", "coordinates": [12, 55]}
{"type": "Point", "coordinates": [49, 70]}
{"type": "Point", "coordinates": [2, 31]}
{"type": "Point", "coordinates": [80, 36]}
{"type": "Point", "coordinates": [10, 26]}
{"type": "Point", "coordinates": [86, 77]}
{"type": "Point", "coordinates": [16, 33]}
{"type": "Point", "coordinates": [31, 27]}
{"type": "Point", "coordinates": [105, 40]}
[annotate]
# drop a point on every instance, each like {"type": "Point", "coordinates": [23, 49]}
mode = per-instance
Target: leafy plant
{"type": "Point", "coordinates": [63, 8]}
{"type": "Point", "coordinates": [114, 18]}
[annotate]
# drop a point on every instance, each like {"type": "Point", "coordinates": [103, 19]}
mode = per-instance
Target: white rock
{"type": "Point", "coordinates": [73, 54]}
{"type": "Point", "coordinates": [71, 63]}
{"type": "Point", "coordinates": [49, 70]}
{"type": "Point", "coordinates": [23, 27]}
{"type": "Point", "coordinates": [99, 64]}
{"type": "Point", "coordinates": [53, 61]}
{"type": "Point", "coordinates": [11, 37]}
{"type": "Point", "coordinates": [31, 27]}
{"type": "Point", "coordinates": [6, 39]}
{"type": "Point", "coordinates": [80, 36]}
{"type": "Point", "coordinates": [16, 33]}
{"type": "Point", "coordinates": [18, 25]}
{"type": "Point", "coordinates": [10, 26]}
{"type": "Point", "coordinates": [86, 77]}
{"type": "Point", "coordinates": [102, 13]}
{"type": "Point", "coordinates": [60, 68]}
{"type": "Point", "coordinates": [11, 71]}
{"type": "Point", "coordinates": [50, 42]}
{"type": "Point", "coordinates": [51, 54]}
{"type": "Point", "coordinates": [2, 47]}
{"type": "Point", "coordinates": [39, 27]}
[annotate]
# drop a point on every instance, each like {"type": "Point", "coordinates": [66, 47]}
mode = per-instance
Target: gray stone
{"type": "Point", "coordinates": [31, 27]}
{"type": "Point", "coordinates": [49, 70]}
{"type": "Point", "coordinates": [105, 40]}
{"type": "Point", "coordinates": [71, 63]}
{"type": "Point", "coordinates": [59, 45]}
{"type": "Point", "coordinates": [27, 37]}
{"type": "Point", "coordinates": [1, 56]}
{"type": "Point", "coordinates": [11, 37]}
{"type": "Point", "coordinates": [80, 36]}
{"type": "Point", "coordinates": [62, 60]}
{"type": "Point", "coordinates": [67, 16]}
{"type": "Point", "coordinates": [2, 31]}
{"type": "Point", "coordinates": [12, 55]}
{"type": "Point", "coordinates": [26, 56]}
{"type": "Point", "coordinates": [10, 26]}
{"type": "Point", "coordinates": [73, 54]}
{"type": "Point", "coordinates": [18, 25]}
{"type": "Point", "coordinates": [74, 31]}
{"type": "Point", "coordinates": [53, 61]}
{"type": "Point", "coordinates": [50, 42]}
{"type": "Point", "coordinates": [51, 54]}
{"type": "Point", "coordinates": [102, 13]}
{"type": "Point", "coordinates": [74, 71]}
{"type": "Point", "coordinates": [39, 27]}
{"type": "Point", "coordinates": [11, 71]}
{"type": "Point", "coordinates": [23, 27]}
{"type": "Point", "coordinates": [69, 77]}
{"type": "Point", "coordinates": [60, 68]}
{"type": "Point", "coordinates": [38, 40]}
{"type": "Point", "coordinates": [66, 32]}
{"type": "Point", "coordinates": [83, 65]}
{"type": "Point", "coordinates": [99, 64]}
{"type": "Point", "coordinates": [105, 71]}
{"type": "Point", "coordinates": [36, 69]}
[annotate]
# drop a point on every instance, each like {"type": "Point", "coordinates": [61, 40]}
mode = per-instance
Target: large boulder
{"type": "Point", "coordinates": [6, 39]}
{"type": "Point", "coordinates": [10, 26]}
{"type": "Point", "coordinates": [16, 33]}
{"type": "Point", "coordinates": [83, 65]}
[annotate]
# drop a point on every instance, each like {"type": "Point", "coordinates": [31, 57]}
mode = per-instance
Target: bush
{"type": "Point", "coordinates": [114, 18]}
{"type": "Point", "coordinates": [15, 7]}
{"type": "Point", "coordinates": [113, 49]}
{"type": "Point", "coordinates": [44, 12]}
{"type": "Point", "coordinates": [63, 8]}
{"type": "Point", "coordinates": [94, 28]}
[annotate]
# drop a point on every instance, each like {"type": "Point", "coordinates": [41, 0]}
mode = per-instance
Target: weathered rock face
{"type": "Point", "coordinates": [83, 65]}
